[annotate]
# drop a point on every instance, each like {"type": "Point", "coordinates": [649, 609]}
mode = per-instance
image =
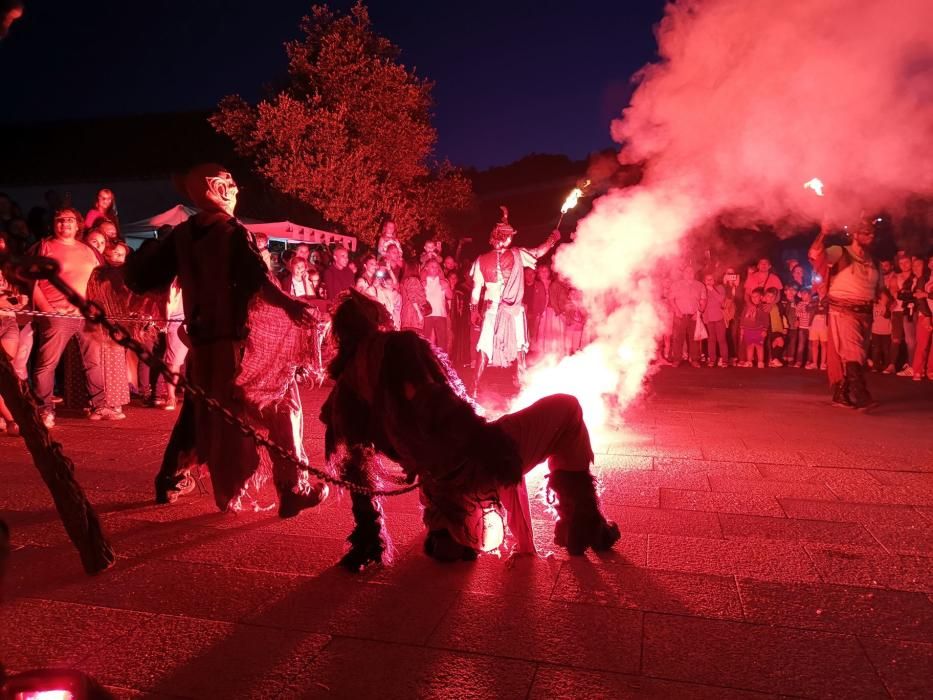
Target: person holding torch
{"type": "Point", "coordinates": [852, 284]}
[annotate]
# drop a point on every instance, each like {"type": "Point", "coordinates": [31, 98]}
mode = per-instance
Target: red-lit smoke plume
{"type": "Point", "coordinates": [749, 100]}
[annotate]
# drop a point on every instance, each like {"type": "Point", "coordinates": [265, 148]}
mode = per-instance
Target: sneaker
{"type": "Point", "coordinates": [48, 419]}
{"type": "Point", "coordinates": [106, 413]}
{"type": "Point", "coordinates": [888, 370]}
{"type": "Point", "coordinates": [811, 365]}
{"type": "Point", "coordinates": [775, 363]}
{"type": "Point", "coordinates": [823, 367]}
{"type": "Point", "coordinates": [798, 365]}
{"type": "Point", "coordinates": [722, 363]}
{"type": "Point", "coordinates": [744, 363]}
{"type": "Point", "coordinates": [170, 405]}
{"type": "Point", "coordinates": [908, 371]}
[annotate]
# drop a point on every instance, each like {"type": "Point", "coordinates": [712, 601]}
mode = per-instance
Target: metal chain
{"type": "Point", "coordinates": [122, 319]}
{"type": "Point", "coordinates": [93, 312]}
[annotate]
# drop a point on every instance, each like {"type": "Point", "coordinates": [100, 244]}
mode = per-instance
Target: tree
{"type": "Point", "coordinates": [350, 134]}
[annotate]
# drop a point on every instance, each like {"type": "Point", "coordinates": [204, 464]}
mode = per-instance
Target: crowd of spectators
{"type": "Point", "coordinates": [762, 318]}
{"type": "Point", "coordinates": [74, 365]}
{"type": "Point", "coordinates": [765, 319]}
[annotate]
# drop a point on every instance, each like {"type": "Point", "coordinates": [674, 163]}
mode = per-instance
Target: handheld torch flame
{"type": "Point", "coordinates": [573, 198]}
{"type": "Point", "coordinates": [816, 185]}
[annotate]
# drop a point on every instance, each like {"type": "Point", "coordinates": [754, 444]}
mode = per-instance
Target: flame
{"type": "Point", "coordinates": [816, 185]}
{"type": "Point", "coordinates": [573, 197]}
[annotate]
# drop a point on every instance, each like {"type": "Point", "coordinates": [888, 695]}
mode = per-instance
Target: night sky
{"type": "Point", "coordinates": [512, 77]}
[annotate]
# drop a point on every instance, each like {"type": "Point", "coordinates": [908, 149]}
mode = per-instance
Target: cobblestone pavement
{"type": "Point", "coordinates": [772, 545]}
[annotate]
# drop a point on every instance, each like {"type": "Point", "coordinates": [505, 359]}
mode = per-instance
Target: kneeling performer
{"type": "Point", "coordinates": [395, 396]}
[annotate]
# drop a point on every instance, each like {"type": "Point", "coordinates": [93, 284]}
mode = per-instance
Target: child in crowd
{"type": "Point", "coordinates": [776, 329]}
{"type": "Point", "coordinates": [819, 333]}
{"type": "Point", "coordinates": [754, 323]}
{"type": "Point", "coordinates": [803, 312]}
{"type": "Point", "coordinates": [880, 355]}
{"type": "Point", "coordinates": [574, 322]}
{"type": "Point", "coordinates": [789, 317]}
{"type": "Point", "coordinates": [431, 251]}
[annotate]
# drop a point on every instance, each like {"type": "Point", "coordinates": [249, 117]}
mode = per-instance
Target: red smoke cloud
{"type": "Point", "coordinates": [750, 99]}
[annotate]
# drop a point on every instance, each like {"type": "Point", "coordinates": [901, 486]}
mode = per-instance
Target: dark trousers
{"type": "Point", "coordinates": [550, 429]}
{"type": "Point", "coordinates": [717, 341]}
{"type": "Point", "coordinates": [436, 325]}
{"type": "Point", "coordinates": [803, 342]}
{"type": "Point", "coordinates": [880, 351]}
{"type": "Point", "coordinates": [684, 327]}
{"type": "Point", "coordinates": [790, 347]}
{"type": "Point", "coordinates": [54, 334]}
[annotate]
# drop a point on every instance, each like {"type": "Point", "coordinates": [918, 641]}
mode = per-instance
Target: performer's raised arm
{"type": "Point", "coordinates": [543, 249]}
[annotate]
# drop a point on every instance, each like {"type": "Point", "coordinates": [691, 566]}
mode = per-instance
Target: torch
{"type": "Point", "coordinates": [572, 200]}
{"type": "Point", "coordinates": [816, 185]}
{"type": "Point", "coordinates": [817, 247]}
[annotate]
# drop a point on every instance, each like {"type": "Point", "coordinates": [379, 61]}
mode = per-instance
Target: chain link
{"type": "Point", "coordinates": [121, 319]}
{"type": "Point", "coordinates": [40, 268]}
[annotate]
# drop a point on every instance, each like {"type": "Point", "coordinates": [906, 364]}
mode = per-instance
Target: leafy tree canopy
{"type": "Point", "coordinates": [350, 134]}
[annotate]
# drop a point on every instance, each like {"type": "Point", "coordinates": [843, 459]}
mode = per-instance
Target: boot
{"type": "Point", "coordinates": [841, 394]}
{"type": "Point", "coordinates": [369, 541]}
{"type": "Point", "coordinates": [858, 392]}
{"type": "Point", "coordinates": [440, 545]}
{"type": "Point", "coordinates": [580, 524]}
{"type": "Point", "coordinates": [168, 487]}
{"type": "Point", "coordinates": [292, 501]}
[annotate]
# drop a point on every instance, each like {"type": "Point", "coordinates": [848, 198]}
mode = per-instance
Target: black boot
{"type": "Point", "coordinates": [580, 524]}
{"type": "Point", "coordinates": [168, 487]}
{"type": "Point", "coordinates": [369, 541]}
{"type": "Point", "coordinates": [841, 394]}
{"type": "Point", "coordinates": [440, 545]}
{"type": "Point", "coordinates": [858, 391]}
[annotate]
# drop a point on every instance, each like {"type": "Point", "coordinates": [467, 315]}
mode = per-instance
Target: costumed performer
{"type": "Point", "coordinates": [396, 396]}
{"type": "Point", "coordinates": [247, 338]}
{"type": "Point", "coordinates": [498, 292]}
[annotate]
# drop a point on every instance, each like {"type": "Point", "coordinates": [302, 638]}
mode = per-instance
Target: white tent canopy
{"type": "Point", "coordinates": [296, 233]}
{"type": "Point", "coordinates": [285, 231]}
{"type": "Point", "coordinates": [145, 228]}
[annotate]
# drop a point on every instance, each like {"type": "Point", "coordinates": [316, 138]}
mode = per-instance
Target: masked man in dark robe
{"type": "Point", "coordinates": [394, 396]}
{"type": "Point", "coordinates": [498, 291]}
{"type": "Point", "coordinates": [247, 340]}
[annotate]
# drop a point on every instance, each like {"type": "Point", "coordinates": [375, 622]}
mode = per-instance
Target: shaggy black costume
{"type": "Point", "coordinates": [395, 396]}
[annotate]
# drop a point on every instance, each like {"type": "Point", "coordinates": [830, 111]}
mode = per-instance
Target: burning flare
{"type": "Point", "coordinates": [816, 185]}
{"type": "Point", "coordinates": [573, 197]}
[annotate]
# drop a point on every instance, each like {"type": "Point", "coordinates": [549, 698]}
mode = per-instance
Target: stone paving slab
{"type": "Point", "coordinates": [737, 526]}
{"type": "Point", "coordinates": [755, 657]}
{"type": "Point", "coordinates": [833, 608]}
{"type": "Point", "coordinates": [368, 670]}
{"type": "Point", "coordinates": [771, 544]}
{"type": "Point", "coordinates": [905, 667]}
{"type": "Point", "coordinates": [586, 636]}
{"type": "Point", "coordinates": [769, 560]}
{"type": "Point", "coordinates": [649, 589]}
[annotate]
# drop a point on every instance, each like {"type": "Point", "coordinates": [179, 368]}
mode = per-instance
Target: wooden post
{"type": "Point", "coordinates": [77, 514]}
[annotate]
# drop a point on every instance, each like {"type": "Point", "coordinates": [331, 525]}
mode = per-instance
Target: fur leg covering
{"type": "Point", "coordinates": [580, 523]}
{"type": "Point", "coordinates": [369, 541]}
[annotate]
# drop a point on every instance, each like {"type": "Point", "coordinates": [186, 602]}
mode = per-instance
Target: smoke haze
{"type": "Point", "coordinates": [749, 100]}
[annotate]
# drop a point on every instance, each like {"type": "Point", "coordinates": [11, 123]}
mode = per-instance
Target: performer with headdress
{"type": "Point", "coordinates": [393, 395]}
{"type": "Point", "coordinates": [498, 291]}
{"type": "Point", "coordinates": [852, 282]}
{"type": "Point", "coordinates": [247, 339]}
